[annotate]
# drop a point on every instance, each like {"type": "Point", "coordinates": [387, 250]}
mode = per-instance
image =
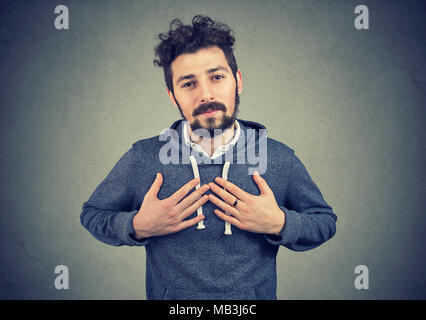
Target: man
{"type": "Point", "coordinates": [220, 240]}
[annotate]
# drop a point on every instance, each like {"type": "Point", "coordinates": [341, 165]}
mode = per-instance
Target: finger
{"type": "Point", "coordinates": [189, 223]}
{"type": "Point", "coordinates": [224, 206]}
{"type": "Point", "coordinates": [156, 185]}
{"type": "Point", "coordinates": [228, 218]}
{"type": "Point", "coordinates": [194, 196]}
{"type": "Point", "coordinates": [194, 207]}
{"type": "Point", "coordinates": [261, 183]}
{"type": "Point", "coordinates": [183, 191]}
{"type": "Point", "coordinates": [225, 195]}
{"type": "Point", "coordinates": [236, 191]}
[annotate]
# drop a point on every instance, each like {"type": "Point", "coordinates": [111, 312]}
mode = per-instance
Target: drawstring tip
{"type": "Point", "coordinates": [228, 228]}
{"type": "Point", "coordinates": [200, 225]}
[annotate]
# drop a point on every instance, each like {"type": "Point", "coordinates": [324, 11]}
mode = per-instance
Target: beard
{"type": "Point", "coordinates": [213, 125]}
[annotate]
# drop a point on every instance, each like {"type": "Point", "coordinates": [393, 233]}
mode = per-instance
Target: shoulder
{"type": "Point", "coordinates": [279, 147]}
{"type": "Point", "coordinates": [146, 150]}
{"type": "Point", "coordinates": [146, 144]}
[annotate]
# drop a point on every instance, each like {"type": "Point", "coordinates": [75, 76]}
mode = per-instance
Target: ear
{"type": "Point", "coordinates": [239, 81]}
{"type": "Point", "coordinates": [172, 98]}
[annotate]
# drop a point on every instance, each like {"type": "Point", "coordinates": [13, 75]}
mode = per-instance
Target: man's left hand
{"type": "Point", "coordinates": [260, 214]}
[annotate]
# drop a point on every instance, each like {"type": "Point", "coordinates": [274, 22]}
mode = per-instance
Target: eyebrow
{"type": "Point", "coordinates": [191, 76]}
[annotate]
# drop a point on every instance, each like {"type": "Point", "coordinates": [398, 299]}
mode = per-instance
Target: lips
{"type": "Point", "coordinates": [209, 112]}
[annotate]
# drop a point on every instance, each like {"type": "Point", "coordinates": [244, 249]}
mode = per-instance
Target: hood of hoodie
{"type": "Point", "coordinates": [250, 148]}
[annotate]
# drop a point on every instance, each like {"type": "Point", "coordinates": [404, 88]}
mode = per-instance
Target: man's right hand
{"type": "Point", "coordinates": [160, 217]}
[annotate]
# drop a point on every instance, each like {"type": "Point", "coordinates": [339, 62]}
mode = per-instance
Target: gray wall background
{"type": "Point", "coordinates": [349, 102]}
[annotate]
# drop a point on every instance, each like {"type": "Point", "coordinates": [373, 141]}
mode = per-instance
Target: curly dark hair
{"type": "Point", "coordinates": [181, 38]}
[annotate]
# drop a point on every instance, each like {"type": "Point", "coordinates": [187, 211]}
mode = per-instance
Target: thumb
{"type": "Point", "coordinates": [261, 183]}
{"type": "Point", "coordinates": [156, 185]}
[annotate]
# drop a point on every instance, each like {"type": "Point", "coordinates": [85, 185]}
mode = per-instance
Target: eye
{"type": "Point", "coordinates": [218, 77]}
{"type": "Point", "coordinates": [188, 84]}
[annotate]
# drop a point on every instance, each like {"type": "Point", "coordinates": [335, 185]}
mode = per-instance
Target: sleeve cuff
{"type": "Point", "coordinates": [291, 230]}
{"type": "Point", "coordinates": [125, 230]}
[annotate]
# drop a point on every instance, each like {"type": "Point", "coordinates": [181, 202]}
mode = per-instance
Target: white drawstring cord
{"type": "Point", "coordinates": [197, 175]}
{"type": "Point", "coordinates": [225, 176]}
{"type": "Point", "coordinates": [194, 165]}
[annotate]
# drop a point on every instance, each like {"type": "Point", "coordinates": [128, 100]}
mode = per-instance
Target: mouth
{"type": "Point", "coordinates": [209, 113]}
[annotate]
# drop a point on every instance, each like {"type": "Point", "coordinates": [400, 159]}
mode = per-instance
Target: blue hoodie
{"type": "Point", "coordinates": [207, 263]}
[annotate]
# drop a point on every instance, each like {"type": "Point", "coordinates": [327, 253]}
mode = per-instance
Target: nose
{"type": "Point", "coordinates": [206, 93]}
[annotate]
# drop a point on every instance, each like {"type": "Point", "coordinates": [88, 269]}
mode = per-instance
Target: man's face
{"type": "Point", "coordinates": [205, 89]}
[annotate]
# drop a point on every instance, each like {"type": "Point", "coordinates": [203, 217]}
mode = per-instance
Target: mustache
{"type": "Point", "coordinates": [209, 106]}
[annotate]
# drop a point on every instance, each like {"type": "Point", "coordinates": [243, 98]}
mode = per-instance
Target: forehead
{"type": "Point", "coordinates": [198, 62]}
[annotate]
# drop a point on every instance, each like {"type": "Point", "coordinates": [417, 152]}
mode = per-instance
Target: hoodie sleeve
{"type": "Point", "coordinates": [109, 212]}
{"type": "Point", "coordinates": [309, 220]}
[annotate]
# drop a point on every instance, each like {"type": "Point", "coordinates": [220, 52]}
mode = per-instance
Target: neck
{"type": "Point", "coordinates": [211, 144]}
